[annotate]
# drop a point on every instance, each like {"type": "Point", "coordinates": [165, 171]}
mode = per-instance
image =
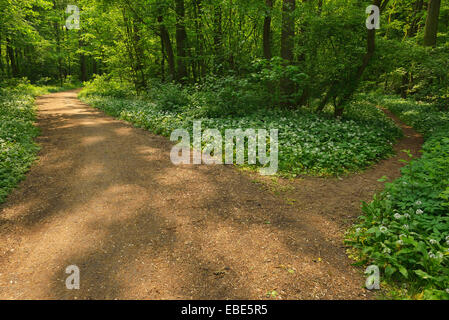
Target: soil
{"type": "Point", "coordinates": [104, 196]}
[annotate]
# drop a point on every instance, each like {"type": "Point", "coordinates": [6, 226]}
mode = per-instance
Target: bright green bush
{"type": "Point", "coordinates": [416, 71]}
{"type": "Point", "coordinates": [17, 148]}
{"type": "Point", "coordinates": [405, 229]}
{"type": "Point", "coordinates": [227, 96]}
{"type": "Point", "coordinates": [105, 85]}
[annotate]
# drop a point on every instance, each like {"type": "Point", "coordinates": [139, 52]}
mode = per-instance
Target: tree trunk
{"type": "Point", "coordinates": [138, 49]}
{"type": "Point", "coordinates": [201, 65]}
{"type": "Point", "coordinates": [162, 61]}
{"type": "Point", "coordinates": [355, 79]}
{"type": "Point", "coordinates": [1, 56]}
{"type": "Point", "coordinates": [267, 30]}
{"type": "Point", "coordinates": [181, 39]}
{"type": "Point", "coordinates": [417, 9]}
{"type": "Point", "coordinates": [287, 46]}
{"type": "Point", "coordinates": [83, 65]}
{"type": "Point", "coordinates": [165, 38]}
{"type": "Point", "coordinates": [12, 59]}
{"type": "Point", "coordinates": [58, 45]}
{"type": "Point", "coordinates": [430, 33]}
{"type": "Point", "coordinates": [218, 39]}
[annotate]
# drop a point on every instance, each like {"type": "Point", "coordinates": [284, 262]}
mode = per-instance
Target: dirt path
{"type": "Point", "coordinates": [104, 196]}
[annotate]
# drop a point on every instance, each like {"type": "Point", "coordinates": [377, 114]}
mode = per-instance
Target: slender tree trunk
{"type": "Point", "coordinates": [162, 61]}
{"type": "Point", "coordinates": [431, 30]}
{"type": "Point", "coordinates": [218, 38]}
{"type": "Point", "coordinates": [181, 39]}
{"type": "Point", "coordinates": [165, 38]}
{"type": "Point", "coordinates": [139, 52]}
{"type": "Point", "coordinates": [417, 9]}
{"type": "Point", "coordinates": [287, 46]}
{"type": "Point", "coordinates": [320, 7]}
{"type": "Point", "coordinates": [58, 45]}
{"type": "Point", "coordinates": [1, 55]}
{"type": "Point", "coordinates": [354, 81]}
{"type": "Point", "coordinates": [405, 85]}
{"type": "Point", "coordinates": [83, 65]}
{"type": "Point", "coordinates": [201, 65]}
{"type": "Point", "coordinates": [303, 100]}
{"type": "Point", "coordinates": [267, 30]}
{"type": "Point", "coordinates": [12, 58]}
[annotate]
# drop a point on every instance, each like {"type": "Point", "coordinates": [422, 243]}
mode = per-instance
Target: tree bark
{"type": "Point", "coordinates": [181, 39]}
{"type": "Point", "coordinates": [287, 46]}
{"type": "Point", "coordinates": [165, 38]}
{"type": "Point", "coordinates": [218, 38]}
{"type": "Point", "coordinates": [417, 9]}
{"type": "Point", "coordinates": [431, 30]}
{"type": "Point", "coordinates": [1, 55]}
{"type": "Point", "coordinates": [58, 45]}
{"type": "Point", "coordinates": [198, 14]}
{"type": "Point", "coordinates": [354, 80]}
{"type": "Point", "coordinates": [139, 52]}
{"type": "Point", "coordinates": [12, 58]}
{"type": "Point", "coordinates": [267, 30]}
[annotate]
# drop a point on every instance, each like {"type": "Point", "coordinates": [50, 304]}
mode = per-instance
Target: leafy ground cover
{"type": "Point", "coordinates": [308, 143]}
{"type": "Point", "coordinates": [405, 229]}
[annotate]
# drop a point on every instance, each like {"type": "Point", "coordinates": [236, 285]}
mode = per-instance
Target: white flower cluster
{"type": "Point", "coordinates": [439, 255]}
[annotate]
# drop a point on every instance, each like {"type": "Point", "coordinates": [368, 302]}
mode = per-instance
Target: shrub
{"type": "Point", "coordinates": [405, 229]}
{"type": "Point", "coordinates": [17, 148]}
{"type": "Point", "coordinates": [105, 85]}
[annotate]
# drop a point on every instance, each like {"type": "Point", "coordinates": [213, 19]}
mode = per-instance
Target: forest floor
{"type": "Point", "coordinates": [105, 196]}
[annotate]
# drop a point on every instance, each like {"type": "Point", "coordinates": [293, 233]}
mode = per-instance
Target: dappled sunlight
{"type": "Point", "coordinates": [111, 202]}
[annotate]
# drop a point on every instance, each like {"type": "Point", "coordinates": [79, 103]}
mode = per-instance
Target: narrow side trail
{"type": "Point", "coordinates": [104, 196]}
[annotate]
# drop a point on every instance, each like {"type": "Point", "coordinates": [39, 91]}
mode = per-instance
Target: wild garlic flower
{"type": "Point", "coordinates": [418, 203]}
{"type": "Point", "coordinates": [419, 211]}
{"type": "Point", "coordinates": [383, 229]}
{"type": "Point", "coordinates": [397, 216]}
{"type": "Point", "coordinates": [433, 241]}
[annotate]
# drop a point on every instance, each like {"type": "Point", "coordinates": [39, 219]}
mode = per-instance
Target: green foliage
{"type": "Point", "coordinates": [405, 229]}
{"type": "Point", "coordinates": [167, 97]}
{"type": "Point", "coordinates": [413, 70]}
{"type": "Point", "coordinates": [105, 85]}
{"type": "Point", "coordinates": [309, 143]}
{"type": "Point", "coordinates": [227, 96]}
{"type": "Point", "coordinates": [17, 148]}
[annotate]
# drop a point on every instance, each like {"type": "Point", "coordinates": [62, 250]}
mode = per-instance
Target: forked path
{"type": "Point", "coordinates": [105, 197]}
